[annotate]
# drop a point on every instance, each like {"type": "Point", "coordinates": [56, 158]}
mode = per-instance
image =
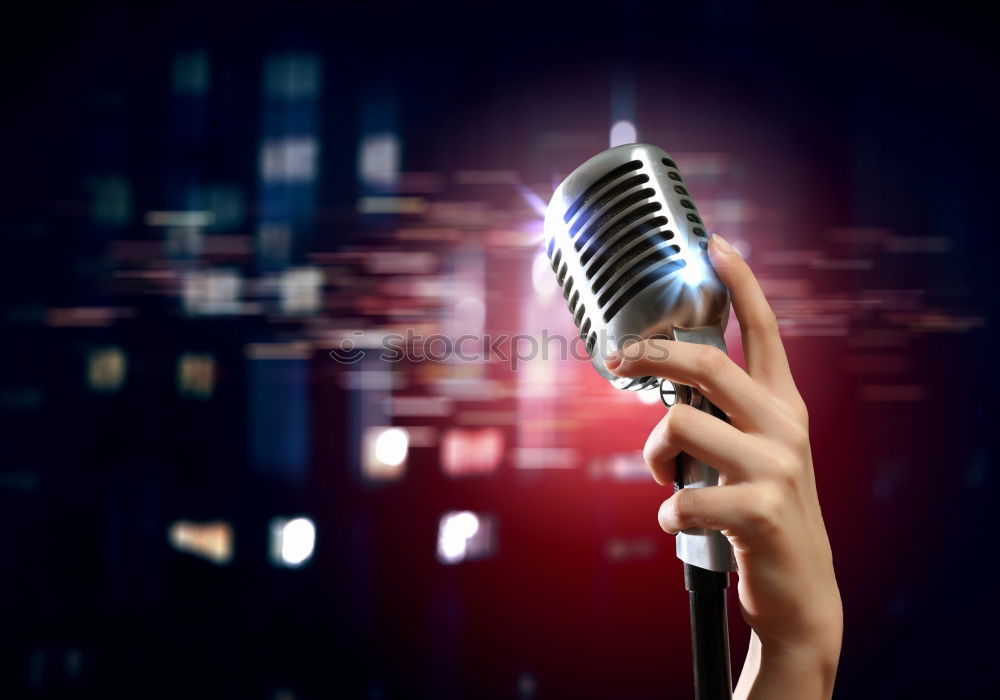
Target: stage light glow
{"type": "Point", "coordinates": [622, 132]}
{"type": "Point", "coordinates": [542, 279]}
{"type": "Point", "coordinates": [292, 541]}
{"type": "Point", "coordinates": [534, 201]}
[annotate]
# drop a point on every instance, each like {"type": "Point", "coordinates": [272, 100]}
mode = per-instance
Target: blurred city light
{"type": "Point", "coordinates": [111, 200]}
{"type": "Point", "coordinates": [471, 452]}
{"type": "Point", "coordinates": [211, 292]}
{"type": "Point", "coordinates": [378, 160]}
{"type": "Point", "coordinates": [225, 203]}
{"type": "Point", "coordinates": [106, 370]}
{"type": "Point", "coordinates": [391, 446]}
{"type": "Point", "coordinates": [292, 541]}
{"type": "Point", "coordinates": [546, 458]}
{"type": "Point", "coordinates": [274, 242]}
{"type": "Point", "coordinates": [465, 536]}
{"type": "Point", "coordinates": [622, 549]}
{"type": "Point", "coordinates": [196, 375]}
{"type": "Point", "coordinates": [179, 218]}
{"type": "Point", "coordinates": [301, 290]}
{"type": "Point", "coordinates": [184, 242]}
{"type": "Point", "coordinates": [384, 453]}
{"type": "Point", "coordinates": [391, 205]}
{"type": "Point", "coordinates": [292, 76]}
{"type": "Point", "coordinates": [191, 72]}
{"type": "Point", "coordinates": [622, 466]}
{"type": "Point", "coordinates": [212, 541]}
{"type": "Point", "coordinates": [469, 313]}
{"type": "Point", "coordinates": [289, 159]}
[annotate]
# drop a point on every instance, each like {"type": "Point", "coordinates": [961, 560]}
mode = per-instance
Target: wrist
{"type": "Point", "coordinates": [803, 670]}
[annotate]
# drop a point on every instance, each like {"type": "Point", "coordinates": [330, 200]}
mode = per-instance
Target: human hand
{"type": "Point", "coordinates": [766, 504]}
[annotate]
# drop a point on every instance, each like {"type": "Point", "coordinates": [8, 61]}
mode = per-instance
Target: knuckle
{"type": "Point", "coordinates": [799, 438]}
{"type": "Point", "coordinates": [789, 427]}
{"type": "Point", "coordinates": [764, 511]}
{"type": "Point", "coordinates": [768, 320]}
{"type": "Point", "coordinates": [711, 361]}
{"type": "Point", "coordinates": [786, 468]}
{"type": "Point", "coordinates": [675, 424]}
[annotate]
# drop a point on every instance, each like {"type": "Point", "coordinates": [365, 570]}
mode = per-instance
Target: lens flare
{"type": "Point", "coordinates": [536, 203]}
{"type": "Point", "coordinates": [694, 272]}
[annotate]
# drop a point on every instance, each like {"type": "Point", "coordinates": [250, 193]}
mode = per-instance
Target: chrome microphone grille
{"type": "Point", "coordinates": [627, 247]}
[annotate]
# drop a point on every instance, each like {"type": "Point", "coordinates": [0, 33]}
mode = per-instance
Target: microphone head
{"type": "Point", "coordinates": [629, 251]}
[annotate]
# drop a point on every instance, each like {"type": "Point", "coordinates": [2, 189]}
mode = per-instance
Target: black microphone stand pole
{"type": "Point", "coordinates": [709, 632]}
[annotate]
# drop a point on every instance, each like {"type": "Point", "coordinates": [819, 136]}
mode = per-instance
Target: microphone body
{"type": "Point", "coordinates": [628, 249]}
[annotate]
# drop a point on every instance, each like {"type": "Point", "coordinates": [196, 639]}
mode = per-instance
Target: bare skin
{"type": "Point", "coordinates": [766, 504]}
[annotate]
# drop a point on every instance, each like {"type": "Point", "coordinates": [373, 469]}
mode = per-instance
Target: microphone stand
{"type": "Point", "coordinates": [713, 677]}
{"type": "Point", "coordinates": [709, 632]}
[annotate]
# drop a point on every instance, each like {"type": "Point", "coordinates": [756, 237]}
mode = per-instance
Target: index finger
{"type": "Point", "coordinates": [719, 379]}
{"type": "Point", "coordinates": [765, 353]}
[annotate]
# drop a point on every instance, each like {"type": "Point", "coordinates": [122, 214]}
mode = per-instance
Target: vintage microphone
{"type": "Point", "coordinates": [628, 249]}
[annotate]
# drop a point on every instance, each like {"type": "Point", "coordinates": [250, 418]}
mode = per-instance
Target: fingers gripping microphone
{"type": "Point", "coordinates": [628, 249]}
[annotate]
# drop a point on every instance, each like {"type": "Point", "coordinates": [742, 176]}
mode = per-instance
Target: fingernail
{"type": "Point", "coordinates": [721, 244]}
{"type": "Point", "coordinates": [613, 360]}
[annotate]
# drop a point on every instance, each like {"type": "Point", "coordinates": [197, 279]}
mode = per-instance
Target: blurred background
{"type": "Point", "coordinates": [214, 483]}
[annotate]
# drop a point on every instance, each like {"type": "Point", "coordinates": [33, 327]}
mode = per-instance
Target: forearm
{"type": "Point", "coordinates": [801, 674]}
